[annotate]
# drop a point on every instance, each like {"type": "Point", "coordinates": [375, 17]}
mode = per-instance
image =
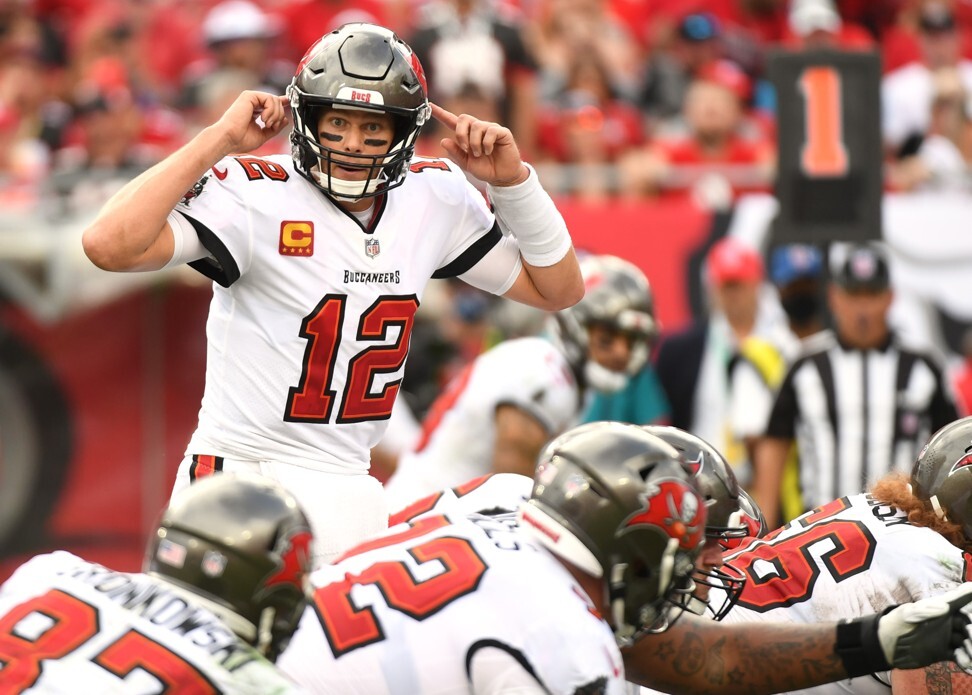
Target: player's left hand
{"type": "Point", "coordinates": [928, 631]}
{"type": "Point", "coordinates": [484, 149]}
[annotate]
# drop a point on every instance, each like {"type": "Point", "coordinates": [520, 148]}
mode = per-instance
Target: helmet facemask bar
{"type": "Point", "coordinates": [630, 582]}
{"type": "Point", "coordinates": [678, 602]}
{"type": "Point", "coordinates": [638, 328]}
{"type": "Point", "coordinates": [729, 580]}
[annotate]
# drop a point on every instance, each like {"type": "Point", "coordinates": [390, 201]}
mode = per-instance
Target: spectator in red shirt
{"type": "Point", "coordinates": [113, 138]}
{"type": "Point", "coordinates": [901, 41]}
{"type": "Point", "coordinates": [669, 70]}
{"type": "Point", "coordinates": [588, 124]}
{"type": "Point", "coordinates": [717, 156]}
{"type": "Point", "coordinates": [154, 40]}
{"type": "Point", "coordinates": [240, 38]}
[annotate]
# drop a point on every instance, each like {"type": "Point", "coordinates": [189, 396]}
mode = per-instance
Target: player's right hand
{"type": "Point", "coordinates": [928, 631]}
{"type": "Point", "coordinates": [251, 120]}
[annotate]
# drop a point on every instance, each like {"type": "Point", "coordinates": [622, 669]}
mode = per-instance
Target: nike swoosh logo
{"type": "Point", "coordinates": [220, 174]}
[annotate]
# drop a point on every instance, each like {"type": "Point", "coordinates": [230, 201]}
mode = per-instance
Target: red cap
{"type": "Point", "coordinates": [733, 260]}
{"type": "Point", "coordinates": [728, 74]}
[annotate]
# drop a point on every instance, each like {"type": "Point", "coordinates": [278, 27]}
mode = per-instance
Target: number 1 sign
{"type": "Point", "coordinates": [829, 181]}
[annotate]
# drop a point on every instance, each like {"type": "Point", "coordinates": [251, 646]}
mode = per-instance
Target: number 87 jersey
{"type": "Point", "coordinates": [850, 557]}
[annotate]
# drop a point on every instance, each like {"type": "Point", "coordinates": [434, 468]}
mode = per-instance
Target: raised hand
{"type": "Point", "coordinates": [484, 149]}
{"type": "Point", "coordinates": [239, 127]}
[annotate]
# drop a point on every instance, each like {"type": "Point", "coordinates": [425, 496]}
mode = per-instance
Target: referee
{"type": "Point", "coordinates": [857, 403]}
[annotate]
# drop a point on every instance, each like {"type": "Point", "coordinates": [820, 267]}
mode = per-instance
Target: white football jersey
{"type": "Point", "coordinates": [458, 434]}
{"type": "Point", "coordinates": [70, 626]}
{"type": "Point", "coordinates": [311, 316]}
{"type": "Point", "coordinates": [488, 493]}
{"type": "Point", "coordinates": [420, 610]}
{"type": "Point", "coordinates": [847, 559]}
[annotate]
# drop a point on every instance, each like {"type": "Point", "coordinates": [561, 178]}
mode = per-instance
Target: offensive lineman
{"type": "Point", "coordinates": [221, 593]}
{"type": "Point", "coordinates": [540, 601]}
{"type": "Point", "coordinates": [905, 540]}
{"type": "Point", "coordinates": [319, 264]}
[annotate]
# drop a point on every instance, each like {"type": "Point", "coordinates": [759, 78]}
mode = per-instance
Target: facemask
{"type": "Point", "coordinates": [801, 306]}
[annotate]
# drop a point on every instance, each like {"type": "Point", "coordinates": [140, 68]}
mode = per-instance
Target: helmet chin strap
{"type": "Point", "coordinates": [609, 381]}
{"type": "Point", "coordinates": [343, 189]}
{"type": "Point", "coordinates": [265, 630]}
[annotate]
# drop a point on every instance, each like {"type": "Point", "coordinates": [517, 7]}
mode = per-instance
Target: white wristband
{"type": "Point", "coordinates": [528, 213]}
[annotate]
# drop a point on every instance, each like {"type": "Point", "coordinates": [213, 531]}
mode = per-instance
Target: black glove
{"type": "Point", "coordinates": [911, 635]}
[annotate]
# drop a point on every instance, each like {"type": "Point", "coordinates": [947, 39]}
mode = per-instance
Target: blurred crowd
{"type": "Point", "coordinates": [608, 98]}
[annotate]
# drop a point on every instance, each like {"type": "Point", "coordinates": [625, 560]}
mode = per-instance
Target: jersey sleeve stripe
{"type": "Point", "coordinates": [221, 267]}
{"type": "Point", "coordinates": [496, 644]}
{"type": "Point", "coordinates": [472, 255]}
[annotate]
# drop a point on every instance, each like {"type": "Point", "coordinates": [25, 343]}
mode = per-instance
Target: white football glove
{"type": "Point", "coordinates": [911, 635]}
{"type": "Point", "coordinates": [927, 631]}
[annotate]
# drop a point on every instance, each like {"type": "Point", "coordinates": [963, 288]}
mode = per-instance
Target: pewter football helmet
{"type": "Point", "coordinates": [942, 474]}
{"type": "Point", "coordinates": [617, 503]}
{"type": "Point", "coordinates": [243, 545]}
{"type": "Point", "coordinates": [364, 67]}
{"type": "Point", "coordinates": [728, 512]}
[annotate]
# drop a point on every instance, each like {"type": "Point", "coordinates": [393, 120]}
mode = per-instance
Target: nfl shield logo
{"type": "Point", "coordinates": [213, 563]}
{"type": "Point", "coordinates": [372, 248]}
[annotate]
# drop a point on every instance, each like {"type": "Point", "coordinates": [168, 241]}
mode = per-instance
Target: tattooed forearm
{"type": "Point", "coordinates": [938, 679]}
{"type": "Point", "coordinates": [690, 655]}
{"type": "Point", "coordinates": [699, 656]}
{"type": "Point", "coordinates": [943, 678]}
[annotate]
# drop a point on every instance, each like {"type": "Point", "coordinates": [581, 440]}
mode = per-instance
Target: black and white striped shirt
{"type": "Point", "coordinates": [857, 414]}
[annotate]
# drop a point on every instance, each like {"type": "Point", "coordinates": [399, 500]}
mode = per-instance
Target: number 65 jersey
{"type": "Point", "coordinates": [442, 608]}
{"type": "Point", "coordinates": [849, 558]}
